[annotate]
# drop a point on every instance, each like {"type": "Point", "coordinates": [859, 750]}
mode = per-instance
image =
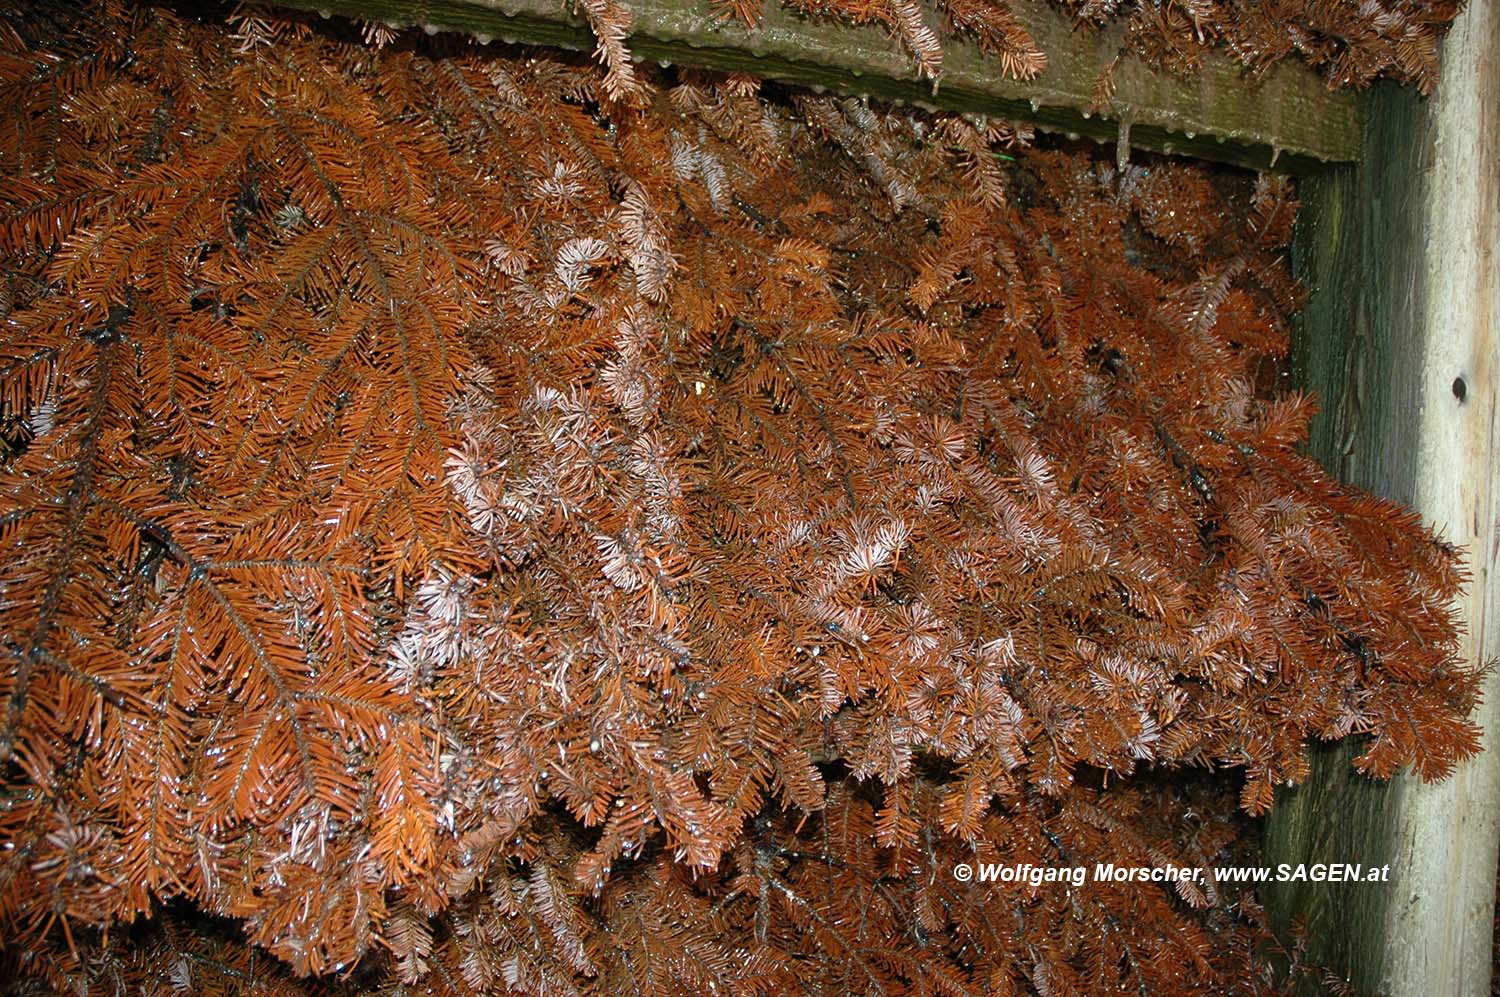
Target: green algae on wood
{"type": "Point", "coordinates": [1287, 118]}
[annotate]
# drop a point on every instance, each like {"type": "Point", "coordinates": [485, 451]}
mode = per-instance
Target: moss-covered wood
{"type": "Point", "coordinates": [1288, 117]}
{"type": "Point", "coordinates": [1401, 335]}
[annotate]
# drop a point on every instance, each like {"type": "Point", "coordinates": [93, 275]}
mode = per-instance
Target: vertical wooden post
{"type": "Point", "coordinates": [1402, 340]}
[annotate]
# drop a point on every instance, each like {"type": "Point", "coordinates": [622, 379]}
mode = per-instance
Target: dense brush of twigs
{"type": "Point", "coordinates": [471, 534]}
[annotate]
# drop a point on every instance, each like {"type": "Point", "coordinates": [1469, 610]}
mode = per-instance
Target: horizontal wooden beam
{"type": "Point", "coordinates": [1287, 118]}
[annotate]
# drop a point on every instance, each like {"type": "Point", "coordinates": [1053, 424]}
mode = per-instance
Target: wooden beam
{"type": "Point", "coordinates": [1401, 337]}
{"type": "Point", "coordinates": [1288, 118]}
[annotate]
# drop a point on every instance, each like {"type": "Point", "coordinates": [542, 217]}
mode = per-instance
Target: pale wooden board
{"type": "Point", "coordinates": [1399, 260]}
{"type": "Point", "coordinates": [1440, 922]}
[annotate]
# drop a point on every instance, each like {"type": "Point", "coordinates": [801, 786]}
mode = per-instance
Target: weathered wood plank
{"type": "Point", "coordinates": [1402, 335]}
{"type": "Point", "coordinates": [1440, 922]}
{"type": "Point", "coordinates": [1288, 118]}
